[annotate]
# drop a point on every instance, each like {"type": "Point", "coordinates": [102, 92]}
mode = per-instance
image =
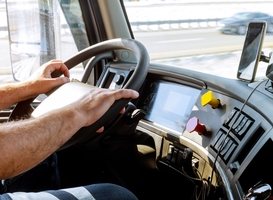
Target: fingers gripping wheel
{"type": "Point", "coordinates": [65, 95]}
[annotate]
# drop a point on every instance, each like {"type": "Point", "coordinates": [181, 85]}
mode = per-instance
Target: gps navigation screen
{"type": "Point", "coordinates": [169, 104]}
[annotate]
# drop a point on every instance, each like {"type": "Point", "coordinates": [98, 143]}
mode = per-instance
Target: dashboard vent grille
{"type": "Point", "coordinates": [225, 144]}
{"type": "Point", "coordinates": [240, 123]}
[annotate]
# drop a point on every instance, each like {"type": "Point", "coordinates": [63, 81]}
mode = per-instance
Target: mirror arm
{"type": "Point", "coordinates": [264, 58]}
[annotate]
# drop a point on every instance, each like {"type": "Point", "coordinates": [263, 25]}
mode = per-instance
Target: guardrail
{"type": "Point", "coordinates": [175, 24]}
{"type": "Point", "coordinates": [161, 15]}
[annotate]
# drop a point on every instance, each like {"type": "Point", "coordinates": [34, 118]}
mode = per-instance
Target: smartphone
{"type": "Point", "coordinates": [251, 52]}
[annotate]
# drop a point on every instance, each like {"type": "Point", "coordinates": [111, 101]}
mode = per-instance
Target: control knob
{"type": "Point", "coordinates": [194, 125]}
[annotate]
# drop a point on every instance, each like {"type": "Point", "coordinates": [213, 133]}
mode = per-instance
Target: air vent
{"type": "Point", "coordinates": [240, 123]}
{"type": "Point", "coordinates": [225, 144]}
{"type": "Point", "coordinates": [4, 114]}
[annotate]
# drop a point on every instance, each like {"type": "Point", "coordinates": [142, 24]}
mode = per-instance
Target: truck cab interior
{"type": "Point", "coordinates": [200, 129]}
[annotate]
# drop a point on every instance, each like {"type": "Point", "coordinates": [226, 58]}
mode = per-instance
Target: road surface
{"type": "Point", "coordinates": [192, 42]}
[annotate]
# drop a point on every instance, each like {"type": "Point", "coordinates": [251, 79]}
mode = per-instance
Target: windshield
{"type": "Point", "coordinates": [197, 35]}
{"type": "Point", "coordinates": [192, 34]}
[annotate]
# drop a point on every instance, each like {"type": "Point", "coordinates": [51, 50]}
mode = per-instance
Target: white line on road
{"type": "Point", "coordinates": [182, 40]}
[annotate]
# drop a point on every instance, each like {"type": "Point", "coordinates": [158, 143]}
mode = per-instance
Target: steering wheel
{"type": "Point", "coordinates": [69, 92]}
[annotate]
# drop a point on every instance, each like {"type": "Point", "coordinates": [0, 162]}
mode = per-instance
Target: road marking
{"type": "Point", "coordinates": [232, 48]}
{"type": "Point", "coordinates": [181, 40]}
{"type": "Point", "coordinates": [200, 51]}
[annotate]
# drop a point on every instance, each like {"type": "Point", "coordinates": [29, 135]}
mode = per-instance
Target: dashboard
{"type": "Point", "coordinates": [230, 144]}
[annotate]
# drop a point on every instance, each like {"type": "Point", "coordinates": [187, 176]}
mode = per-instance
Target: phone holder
{"type": "Point", "coordinates": [269, 70]}
{"type": "Point", "coordinates": [264, 58]}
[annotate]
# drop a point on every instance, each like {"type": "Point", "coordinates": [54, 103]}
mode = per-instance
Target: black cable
{"type": "Point", "coordinates": [227, 134]}
{"type": "Point", "coordinates": [204, 186]}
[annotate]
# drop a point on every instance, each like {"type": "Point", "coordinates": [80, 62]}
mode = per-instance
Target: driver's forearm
{"type": "Point", "coordinates": [24, 144]}
{"type": "Point", "coordinates": [15, 92]}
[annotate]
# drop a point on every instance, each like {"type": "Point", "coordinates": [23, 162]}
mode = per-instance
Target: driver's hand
{"type": "Point", "coordinates": [102, 128]}
{"type": "Point", "coordinates": [41, 80]}
{"type": "Point", "coordinates": [94, 104]}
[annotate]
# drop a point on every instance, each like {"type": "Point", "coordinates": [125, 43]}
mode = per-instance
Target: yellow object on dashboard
{"type": "Point", "coordinates": [208, 98]}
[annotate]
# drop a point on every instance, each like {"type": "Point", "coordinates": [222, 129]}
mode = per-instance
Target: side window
{"type": "Point", "coordinates": [5, 70]}
{"type": "Point", "coordinates": [73, 23]}
{"type": "Point", "coordinates": [38, 31]}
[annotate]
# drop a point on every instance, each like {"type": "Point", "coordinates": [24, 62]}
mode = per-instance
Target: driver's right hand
{"type": "Point", "coordinates": [94, 104]}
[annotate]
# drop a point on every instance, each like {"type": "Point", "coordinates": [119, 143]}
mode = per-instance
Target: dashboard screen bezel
{"type": "Point", "coordinates": [168, 104]}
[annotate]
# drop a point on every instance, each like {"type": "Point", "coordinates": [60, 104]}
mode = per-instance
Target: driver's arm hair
{"type": "Point", "coordinates": [26, 143]}
{"type": "Point", "coordinates": [39, 82]}
{"type": "Point", "coordinates": [12, 93]}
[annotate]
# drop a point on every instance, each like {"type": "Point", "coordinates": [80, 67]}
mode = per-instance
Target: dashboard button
{"type": "Point", "coordinates": [194, 125]}
{"type": "Point", "coordinates": [208, 98]}
{"type": "Point", "coordinates": [118, 79]}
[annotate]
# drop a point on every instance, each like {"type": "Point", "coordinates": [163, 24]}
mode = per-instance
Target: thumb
{"type": "Point", "coordinates": [60, 81]}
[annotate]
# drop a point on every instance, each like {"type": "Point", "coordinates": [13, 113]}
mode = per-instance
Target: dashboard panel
{"type": "Point", "coordinates": [236, 145]}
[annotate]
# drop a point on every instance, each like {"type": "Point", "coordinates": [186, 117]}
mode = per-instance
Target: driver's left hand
{"type": "Point", "coordinates": [41, 80]}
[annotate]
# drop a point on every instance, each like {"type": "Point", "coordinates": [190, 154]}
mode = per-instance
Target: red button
{"type": "Point", "coordinates": [194, 125]}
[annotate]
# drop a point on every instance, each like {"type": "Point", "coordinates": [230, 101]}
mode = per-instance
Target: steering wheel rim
{"type": "Point", "coordinates": [135, 81]}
